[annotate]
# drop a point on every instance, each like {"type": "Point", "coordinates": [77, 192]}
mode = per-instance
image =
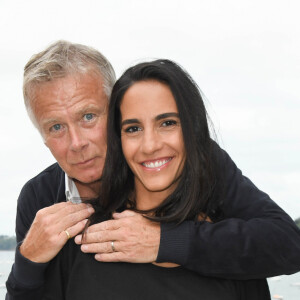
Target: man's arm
{"type": "Point", "coordinates": [255, 239]}
{"type": "Point", "coordinates": [45, 236]}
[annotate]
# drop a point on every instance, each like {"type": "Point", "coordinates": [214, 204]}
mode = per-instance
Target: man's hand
{"type": "Point", "coordinates": [135, 239]}
{"type": "Point", "coordinates": [47, 235]}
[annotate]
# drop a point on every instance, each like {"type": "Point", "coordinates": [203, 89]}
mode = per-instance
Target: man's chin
{"type": "Point", "coordinates": [86, 177]}
{"type": "Point", "coordinates": [85, 181]}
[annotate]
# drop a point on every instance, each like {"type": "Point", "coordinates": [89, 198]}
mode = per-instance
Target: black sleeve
{"type": "Point", "coordinates": [255, 238]}
{"type": "Point", "coordinates": [26, 278]}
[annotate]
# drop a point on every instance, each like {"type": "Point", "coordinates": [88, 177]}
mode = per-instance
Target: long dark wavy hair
{"type": "Point", "coordinates": [197, 185]}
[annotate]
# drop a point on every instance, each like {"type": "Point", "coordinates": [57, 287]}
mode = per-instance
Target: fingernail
{"type": "Point", "coordinates": [97, 256]}
{"type": "Point", "coordinates": [78, 239]}
{"type": "Point", "coordinates": [90, 209]}
{"type": "Point", "coordinates": [115, 215]}
{"type": "Point", "coordinates": [84, 248]}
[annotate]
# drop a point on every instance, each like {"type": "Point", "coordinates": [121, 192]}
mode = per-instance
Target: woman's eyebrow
{"type": "Point", "coordinates": [130, 121]}
{"type": "Point", "coordinates": [166, 115]}
{"type": "Point", "coordinates": [157, 118]}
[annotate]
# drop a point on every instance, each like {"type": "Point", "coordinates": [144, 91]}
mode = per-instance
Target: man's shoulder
{"type": "Point", "coordinates": [51, 174]}
{"type": "Point", "coordinates": [51, 180]}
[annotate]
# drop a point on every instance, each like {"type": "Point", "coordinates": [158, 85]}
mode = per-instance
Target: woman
{"type": "Point", "coordinates": [161, 162]}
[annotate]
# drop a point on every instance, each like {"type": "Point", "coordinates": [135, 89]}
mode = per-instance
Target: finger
{"type": "Point", "coordinates": [78, 239]}
{"type": "Point", "coordinates": [64, 236]}
{"type": "Point", "coordinates": [71, 208]}
{"type": "Point", "coordinates": [101, 237]}
{"type": "Point", "coordinates": [106, 225]}
{"type": "Point", "coordinates": [53, 214]}
{"type": "Point", "coordinates": [70, 217]}
{"type": "Point", "coordinates": [54, 208]}
{"type": "Point", "coordinates": [110, 257]}
{"type": "Point", "coordinates": [99, 247]}
{"type": "Point", "coordinates": [124, 214]}
{"type": "Point", "coordinates": [77, 228]}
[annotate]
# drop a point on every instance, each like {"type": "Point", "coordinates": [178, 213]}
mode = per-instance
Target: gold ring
{"type": "Point", "coordinates": [68, 234]}
{"type": "Point", "coordinates": [113, 247]}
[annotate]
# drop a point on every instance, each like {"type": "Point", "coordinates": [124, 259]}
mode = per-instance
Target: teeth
{"type": "Point", "coordinates": [157, 164]}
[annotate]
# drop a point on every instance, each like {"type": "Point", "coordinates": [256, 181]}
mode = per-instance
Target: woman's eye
{"type": "Point", "coordinates": [132, 129]}
{"type": "Point", "coordinates": [88, 117]}
{"type": "Point", "coordinates": [169, 123]}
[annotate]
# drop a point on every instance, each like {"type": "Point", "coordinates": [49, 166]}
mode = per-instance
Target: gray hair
{"type": "Point", "coordinates": [60, 59]}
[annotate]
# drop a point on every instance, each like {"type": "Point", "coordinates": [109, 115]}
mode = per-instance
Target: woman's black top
{"type": "Point", "coordinates": [74, 275]}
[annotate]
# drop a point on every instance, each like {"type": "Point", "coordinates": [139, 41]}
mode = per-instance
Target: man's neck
{"type": "Point", "coordinates": [88, 190]}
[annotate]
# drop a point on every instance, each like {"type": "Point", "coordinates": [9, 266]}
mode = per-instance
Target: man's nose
{"type": "Point", "coordinates": [78, 141]}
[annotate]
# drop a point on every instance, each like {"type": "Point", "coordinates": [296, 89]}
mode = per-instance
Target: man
{"type": "Point", "coordinates": [66, 91]}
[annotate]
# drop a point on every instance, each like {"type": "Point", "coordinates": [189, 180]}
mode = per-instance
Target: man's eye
{"type": "Point", "coordinates": [133, 129]}
{"type": "Point", "coordinates": [88, 117]}
{"type": "Point", "coordinates": [55, 127]}
{"type": "Point", "coordinates": [169, 123]}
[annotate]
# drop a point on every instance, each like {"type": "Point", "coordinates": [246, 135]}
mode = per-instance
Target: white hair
{"type": "Point", "coordinates": [61, 59]}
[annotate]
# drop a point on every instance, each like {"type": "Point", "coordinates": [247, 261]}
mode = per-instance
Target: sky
{"type": "Point", "coordinates": [244, 55]}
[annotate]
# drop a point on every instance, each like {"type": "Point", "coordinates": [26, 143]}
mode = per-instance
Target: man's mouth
{"type": "Point", "coordinates": [84, 162]}
{"type": "Point", "coordinates": [156, 163]}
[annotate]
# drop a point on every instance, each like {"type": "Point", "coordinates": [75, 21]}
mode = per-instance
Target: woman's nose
{"type": "Point", "coordinates": [151, 141]}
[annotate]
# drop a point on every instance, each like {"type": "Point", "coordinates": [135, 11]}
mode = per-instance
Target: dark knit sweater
{"type": "Point", "coordinates": [254, 239]}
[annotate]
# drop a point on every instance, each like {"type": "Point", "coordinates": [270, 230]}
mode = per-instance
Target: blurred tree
{"type": "Point", "coordinates": [7, 242]}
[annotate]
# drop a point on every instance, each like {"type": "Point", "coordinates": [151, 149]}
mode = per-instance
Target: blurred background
{"type": "Point", "coordinates": [244, 55]}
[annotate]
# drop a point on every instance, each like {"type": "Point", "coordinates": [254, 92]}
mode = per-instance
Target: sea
{"type": "Point", "coordinates": [281, 287]}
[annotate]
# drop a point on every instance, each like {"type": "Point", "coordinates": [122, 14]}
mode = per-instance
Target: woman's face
{"type": "Point", "coordinates": [151, 136]}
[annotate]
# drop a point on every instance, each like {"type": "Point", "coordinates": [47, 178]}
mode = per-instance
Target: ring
{"type": "Point", "coordinates": [68, 234]}
{"type": "Point", "coordinates": [113, 247]}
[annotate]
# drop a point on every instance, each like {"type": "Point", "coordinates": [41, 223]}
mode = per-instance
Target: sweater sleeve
{"type": "Point", "coordinates": [254, 239]}
{"type": "Point", "coordinates": [26, 278]}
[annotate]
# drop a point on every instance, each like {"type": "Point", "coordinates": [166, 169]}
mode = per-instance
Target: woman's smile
{"type": "Point", "coordinates": [157, 164]}
{"type": "Point", "coordinates": [152, 139]}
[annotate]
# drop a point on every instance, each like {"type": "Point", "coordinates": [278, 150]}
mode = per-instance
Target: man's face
{"type": "Point", "coordinates": [71, 113]}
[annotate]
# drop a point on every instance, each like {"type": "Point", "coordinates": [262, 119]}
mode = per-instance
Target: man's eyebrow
{"type": "Point", "coordinates": [166, 115]}
{"type": "Point", "coordinates": [129, 121]}
{"type": "Point", "coordinates": [90, 108]}
{"type": "Point", "coordinates": [48, 122]}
